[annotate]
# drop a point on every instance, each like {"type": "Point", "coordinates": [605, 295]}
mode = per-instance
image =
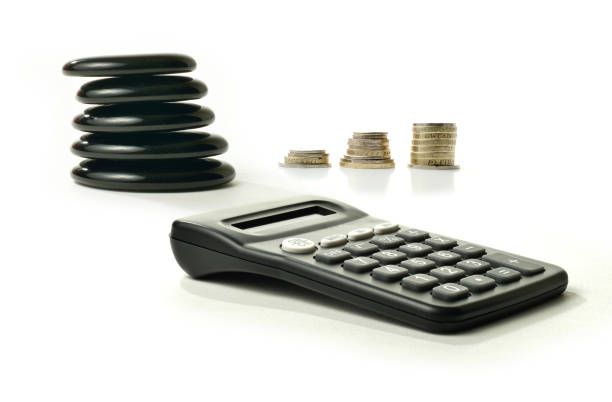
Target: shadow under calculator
{"type": "Point", "coordinates": [250, 289]}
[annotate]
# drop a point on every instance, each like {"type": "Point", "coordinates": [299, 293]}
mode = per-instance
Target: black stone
{"type": "Point", "coordinates": [164, 145]}
{"type": "Point", "coordinates": [159, 88]}
{"type": "Point", "coordinates": [167, 175]}
{"type": "Point", "coordinates": [143, 116]}
{"type": "Point", "coordinates": [129, 65]}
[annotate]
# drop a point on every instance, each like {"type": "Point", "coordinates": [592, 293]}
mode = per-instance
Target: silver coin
{"type": "Point", "coordinates": [425, 167]}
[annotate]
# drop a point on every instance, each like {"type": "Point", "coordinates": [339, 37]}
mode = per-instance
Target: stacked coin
{"type": "Point", "coordinates": [316, 158]}
{"type": "Point", "coordinates": [368, 150]}
{"type": "Point", "coordinates": [433, 145]}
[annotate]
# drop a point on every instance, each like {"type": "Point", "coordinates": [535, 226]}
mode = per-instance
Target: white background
{"type": "Point", "coordinates": [94, 307]}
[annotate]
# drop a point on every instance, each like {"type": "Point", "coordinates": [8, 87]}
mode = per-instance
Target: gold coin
{"type": "Point", "coordinates": [434, 148]}
{"type": "Point", "coordinates": [304, 165]}
{"type": "Point", "coordinates": [365, 158]}
{"type": "Point", "coordinates": [434, 127]}
{"type": "Point", "coordinates": [434, 142]}
{"type": "Point", "coordinates": [368, 143]}
{"type": "Point", "coordinates": [306, 151]}
{"type": "Point", "coordinates": [434, 167]}
{"type": "Point", "coordinates": [369, 135]}
{"type": "Point", "coordinates": [435, 136]}
{"type": "Point", "coordinates": [432, 161]}
{"type": "Point", "coordinates": [367, 152]}
{"type": "Point", "coordinates": [431, 155]}
{"type": "Point", "coordinates": [293, 159]}
{"type": "Point", "coordinates": [359, 165]}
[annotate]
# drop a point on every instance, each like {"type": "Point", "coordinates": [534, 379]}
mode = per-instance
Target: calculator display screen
{"type": "Point", "coordinates": [293, 216]}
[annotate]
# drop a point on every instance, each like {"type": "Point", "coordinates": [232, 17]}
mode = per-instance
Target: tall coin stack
{"type": "Point", "coordinates": [368, 150]}
{"type": "Point", "coordinates": [433, 146]}
{"type": "Point", "coordinates": [316, 158]}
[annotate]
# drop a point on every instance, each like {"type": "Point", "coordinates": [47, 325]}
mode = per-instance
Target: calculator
{"type": "Point", "coordinates": [434, 282]}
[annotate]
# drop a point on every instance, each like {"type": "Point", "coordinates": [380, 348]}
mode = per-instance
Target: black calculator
{"type": "Point", "coordinates": [424, 279]}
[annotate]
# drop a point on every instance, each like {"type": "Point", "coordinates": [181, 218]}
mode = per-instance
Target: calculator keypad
{"type": "Point", "coordinates": [417, 261]}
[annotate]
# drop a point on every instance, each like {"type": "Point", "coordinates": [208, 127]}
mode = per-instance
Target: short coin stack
{"type": "Point", "coordinates": [317, 158]}
{"type": "Point", "coordinates": [368, 150]}
{"type": "Point", "coordinates": [433, 146]}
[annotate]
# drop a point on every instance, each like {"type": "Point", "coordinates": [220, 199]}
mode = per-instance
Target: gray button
{"type": "Point", "coordinates": [472, 266]}
{"type": "Point", "coordinates": [360, 264]}
{"type": "Point", "coordinates": [478, 283]}
{"type": "Point", "coordinates": [333, 240]}
{"type": "Point", "coordinates": [413, 235]}
{"type": "Point", "coordinates": [469, 250]}
{"type": "Point", "coordinates": [387, 241]}
{"type": "Point", "coordinates": [419, 282]}
{"type": "Point", "coordinates": [447, 274]}
{"type": "Point", "coordinates": [389, 256]}
{"type": "Point", "coordinates": [450, 292]}
{"type": "Point", "coordinates": [444, 257]}
{"type": "Point", "coordinates": [362, 248]}
{"type": "Point", "coordinates": [389, 273]}
{"type": "Point", "coordinates": [504, 260]}
{"type": "Point", "coordinates": [332, 256]}
{"type": "Point", "coordinates": [360, 234]}
{"type": "Point", "coordinates": [504, 275]}
{"type": "Point", "coordinates": [298, 245]}
{"type": "Point", "coordinates": [418, 265]}
{"type": "Point", "coordinates": [441, 243]}
{"type": "Point", "coordinates": [416, 249]}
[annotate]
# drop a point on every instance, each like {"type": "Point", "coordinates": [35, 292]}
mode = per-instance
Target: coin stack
{"type": "Point", "coordinates": [368, 150]}
{"type": "Point", "coordinates": [433, 146]}
{"type": "Point", "coordinates": [316, 158]}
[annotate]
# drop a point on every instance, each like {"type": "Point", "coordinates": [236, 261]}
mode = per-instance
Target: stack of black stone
{"type": "Point", "coordinates": [135, 139]}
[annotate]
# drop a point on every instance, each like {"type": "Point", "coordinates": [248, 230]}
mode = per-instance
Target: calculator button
{"type": "Point", "coordinates": [360, 264]}
{"type": "Point", "coordinates": [363, 248]}
{"type": "Point", "coordinates": [412, 235]}
{"type": "Point", "coordinates": [416, 249]}
{"type": "Point", "coordinates": [360, 234]}
{"type": "Point", "coordinates": [387, 241]}
{"type": "Point", "coordinates": [472, 267]}
{"type": "Point", "coordinates": [297, 245]}
{"type": "Point", "coordinates": [418, 265]}
{"type": "Point", "coordinates": [503, 275]}
{"type": "Point", "coordinates": [389, 256]}
{"type": "Point", "coordinates": [333, 256]}
{"type": "Point", "coordinates": [444, 257]}
{"type": "Point", "coordinates": [469, 250]}
{"type": "Point", "coordinates": [441, 243]}
{"type": "Point", "coordinates": [450, 292]}
{"type": "Point", "coordinates": [389, 273]}
{"type": "Point", "coordinates": [386, 227]}
{"type": "Point", "coordinates": [333, 240]}
{"type": "Point", "coordinates": [447, 274]}
{"type": "Point", "coordinates": [524, 267]}
{"type": "Point", "coordinates": [478, 283]}
{"type": "Point", "coordinates": [419, 282]}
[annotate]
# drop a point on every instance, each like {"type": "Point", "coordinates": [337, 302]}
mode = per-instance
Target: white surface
{"type": "Point", "coordinates": [94, 306]}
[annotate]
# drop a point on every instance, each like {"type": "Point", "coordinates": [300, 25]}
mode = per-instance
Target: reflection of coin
{"type": "Point", "coordinates": [368, 152]}
{"type": "Point", "coordinates": [433, 141]}
{"type": "Point", "coordinates": [433, 148]}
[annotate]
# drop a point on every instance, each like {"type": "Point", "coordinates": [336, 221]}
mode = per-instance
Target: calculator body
{"type": "Point", "coordinates": [249, 239]}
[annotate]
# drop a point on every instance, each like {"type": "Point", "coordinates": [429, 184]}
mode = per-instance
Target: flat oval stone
{"type": "Point", "coordinates": [159, 88]}
{"type": "Point", "coordinates": [170, 175]}
{"type": "Point", "coordinates": [111, 66]}
{"type": "Point", "coordinates": [164, 145]}
{"type": "Point", "coordinates": [143, 116]}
